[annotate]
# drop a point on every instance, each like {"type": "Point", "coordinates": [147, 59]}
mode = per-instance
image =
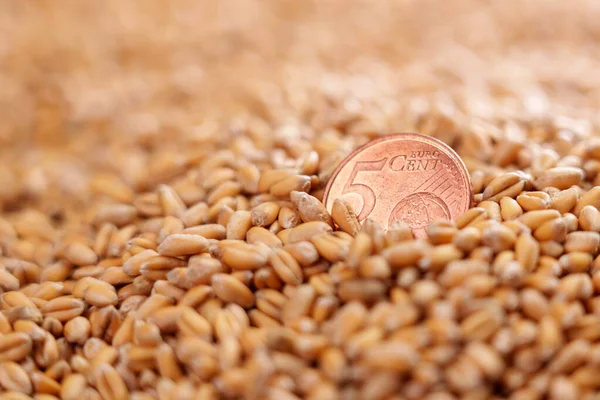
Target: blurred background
{"type": "Point", "coordinates": [144, 89]}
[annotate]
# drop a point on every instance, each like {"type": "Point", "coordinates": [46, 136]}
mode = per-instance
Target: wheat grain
{"type": "Point", "coordinates": [191, 255]}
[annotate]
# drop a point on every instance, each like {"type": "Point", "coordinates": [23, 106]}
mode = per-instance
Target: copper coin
{"type": "Point", "coordinates": [409, 177]}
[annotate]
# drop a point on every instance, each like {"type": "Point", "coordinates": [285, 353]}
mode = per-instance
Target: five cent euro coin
{"type": "Point", "coordinates": [404, 177]}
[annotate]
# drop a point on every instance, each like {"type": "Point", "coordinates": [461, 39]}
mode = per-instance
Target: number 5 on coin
{"type": "Point", "coordinates": [364, 191]}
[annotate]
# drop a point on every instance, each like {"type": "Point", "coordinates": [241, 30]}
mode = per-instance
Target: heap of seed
{"type": "Point", "coordinates": [162, 234]}
{"type": "Point", "coordinates": [230, 280]}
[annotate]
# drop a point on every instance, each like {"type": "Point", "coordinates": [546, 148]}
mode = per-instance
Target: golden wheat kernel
{"type": "Point", "coordinates": [170, 202]}
{"type": "Point", "coordinates": [405, 254]}
{"type": "Point", "coordinates": [267, 278]}
{"type": "Point", "coordinates": [147, 204]}
{"type": "Point", "coordinates": [265, 214]}
{"type": "Point", "coordinates": [156, 268]}
{"type": "Point", "coordinates": [324, 283]}
{"type": "Point", "coordinates": [118, 244]}
{"type": "Point", "coordinates": [393, 356]}
{"type": "Point", "coordinates": [10, 282]}
{"type": "Point", "coordinates": [472, 216]}
{"type": "Point", "coordinates": [589, 219]}
{"type": "Point", "coordinates": [587, 327]}
{"type": "Point", "coordinates": [232, 290]}
{"type": "Point", "coordinates": [325, 307]}
{"type": "Point", "coordinates": [15, 346]}
{"type": "Point", "coordinates": [425, 292]}
{"type": "Point", "coordinates": [343, 236]}
{"type": "Point", "coordinates": [189, 192]}
{"type": "Point", "coordinates": [457, 271]}
{"type": "Point", "coordinates": [195, 214]}
{"type": "Point", "coordinates": [583, 241]}
{"type": "Point", "coordinates": [169, 225]}
{"type": "Point", "coordinates": [397, 232]}
{"type": "Point", "coordinates": [484, 224]}
{"type": "Point", "coordinates": [364, 290]}
{"type": "Point", "coordinates": [510, 209]}
{"type": "Point", "coordinates": [141, 243]}
{"type": "Point", "coordinates": [571, 221]}
{"type": "Point", "coordinates": [208, 231]}
{"type": "Point", "coordinates": [304, 252]}
{"type": "Point", "coordinates": [256, 235]}
{"type": "Point", "coordinates": [510, 273]}
{"type": "Point", "coordinates": [344, 217]}
{"type": "Point", "coordinates": [527, 251]}
{"type": "Point", "coordinates": [441, 232]}
{"type": "Point", "coordinates": [182, 244]}
{"type": "Point", "coordinates": [509, 184]}
{"type": "Point", "coordinates": [103, 238]}
{"type": "Point", "coordinates": [310, 208]}
{"type": "Point", "coordinates": [498, 237]}
{"type": "Point", "coordinates": [225, 189]}
{"type": "Point", "coordinates": [467, 239]}
{"type": "Point", "coordinates": [13, 377]}
{"type": "Point", "coordinates": [534, 219]}
{"type": "Point", "coordinates": [224, 215]}
{"type": "Point", "coordinates": [407, 277]}
{"type": "Point", "coordinates": [559, 177]}
{"type": "Point", "coordinates": [216, 177]}
{"type": "Point", "coordinates": [564, 200]}
{"type": "Point", "coordinates": [80, 254]}
{"type": "Point", "coordinates": [245, 256]}
{"type": "Point", "coordinates": [554, 229]}
{"type": "Point", "coordinates": [216, 210]}
{"type": "Point", "coordinates": [575, 286]}
{"type": "Point", "coordinates": [551, 248]}
{"type": "Point", "coordinates": [99, 293]}
{"type": "Point", "coordinates": [298, 183]}
{"type": "Point", "coordinates": [305, 232]}
{"type": "Point", "coordinates": [376, 232]}
{"type": "Point", "coordinates": [288, 218]}
{"type": "Point", "coordinates": [286, 267]}
{"type": "Point", "coordinates": [360, 247]}
{"type": "Point", "coordinates": [330, 247]}
{"type": "Point", "coordinates": [261, 198]}
{"type": "Point", "coordinates": [117, 215]}
{"type": "Point", "coordinates": [492, 208]}
{"type": "Point", "coordinates": [77, 330]}
{"type": "Point", "coordinates": [591, 198]}
{"type": "Point", "coordinates": [534, 304]}
{"type": "Point", "coordinates": [566, 313]}
{"type": "Point", "coordinates": [481, 285]}
{"type": "Point", "coordinates": [375, 267]}
{"type": "Point", "coordinates": [14, 299]}
{"type": "Point", "coordinates": [508, 149]}
{"type": "Point", "coordinates": [570, 357]}
{"type": "Point", "coordinates": [544, 159]}
{"type": "Point", "coordinates": [275, 228]}
{"type": "Point", "coordinates": [248, 175]}
{"type": "Point", "coordinates": [31, 328]}
{"type": "Point", "coordinates": [439, 257]}
{"type": "Point", "coordinates": [575, 262]}
{"type": "Point", "coordinates": [25, 313]}
{"type": "Point", "coordinates": [530, 201]}
{"type": "Point", "coordinates": [270, 177]}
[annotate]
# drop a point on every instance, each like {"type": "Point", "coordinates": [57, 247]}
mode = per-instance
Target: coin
{"type": "Point", "coordinates": [408, 177]}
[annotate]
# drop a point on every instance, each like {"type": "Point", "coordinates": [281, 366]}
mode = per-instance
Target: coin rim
{"type": "Point", "coordinates": [451, 152]}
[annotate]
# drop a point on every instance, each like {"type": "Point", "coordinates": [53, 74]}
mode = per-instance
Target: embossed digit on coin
{"type": "Point", "coordinates": [409, 177]}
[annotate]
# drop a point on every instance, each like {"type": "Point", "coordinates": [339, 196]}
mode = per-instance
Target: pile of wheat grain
{"type": "Point", "coordinates": [162, 234]}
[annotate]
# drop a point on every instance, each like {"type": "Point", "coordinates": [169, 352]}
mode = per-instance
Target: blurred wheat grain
{"type": "Point", "coordinates": [86, 79]}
